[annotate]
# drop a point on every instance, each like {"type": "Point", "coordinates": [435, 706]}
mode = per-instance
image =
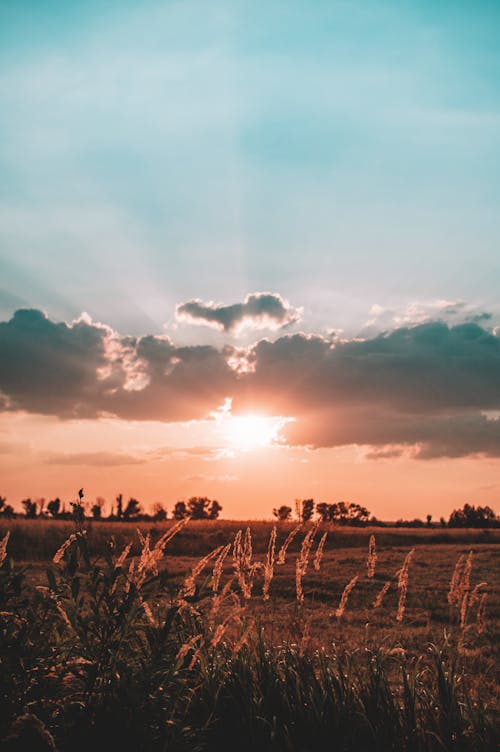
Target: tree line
{"type": "Point", "coordinates": [204, 508]}
{"type": "Point", "coordinates": [355, 515]}
{"type": "Point", "coordinates": [197, 508]}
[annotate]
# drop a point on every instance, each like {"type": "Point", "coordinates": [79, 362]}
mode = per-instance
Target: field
{"type": "Point", "coordinates": [183, 648]}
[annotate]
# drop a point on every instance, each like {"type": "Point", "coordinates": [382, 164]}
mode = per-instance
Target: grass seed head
{"type": "Point", "coordinates": [372, 557]}
{"type": "Point", "coordinates": [318, 556]}
{"type": "Point", "coordinates": [282, 552]}
{"type": "Point", "coordinates": [345, 596]}
{"type": "Point", "coordinates": [3, 547]}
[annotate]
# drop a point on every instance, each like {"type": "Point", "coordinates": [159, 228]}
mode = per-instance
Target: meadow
{"type": "Point", "coordinates": [204, 636]}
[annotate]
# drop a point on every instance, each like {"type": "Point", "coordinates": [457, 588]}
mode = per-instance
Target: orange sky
{"type": "Point", "coordinates": [158, 462]}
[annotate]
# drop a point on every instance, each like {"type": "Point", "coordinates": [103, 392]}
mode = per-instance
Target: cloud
{"type": "Point", "coordinates": [261, 310]}
{"type": "Point", "coordinates": [206, 453]}
{"type": "Point", "coordinates": [84, 370]}
{"type": "Point", "coordinates": [432, 386]}
{"type": "Point", "coordinates": [452, 312]}
{"type": "Point", "coordinates": [390, 434]}
{"type": "Point", "coordinates": [14, 447]}
{"type": "Point", "coordinates": [412, 369]}
{"type": "Point", "coordinates": [201, 477]}
{"type": "Point", "coordinates": [94, 459]}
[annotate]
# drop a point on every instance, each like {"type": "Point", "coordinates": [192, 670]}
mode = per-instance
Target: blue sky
{"type": "Point", "coordinates": [341, 154]}
{"type": "Point", "coordinates": [190, 157]}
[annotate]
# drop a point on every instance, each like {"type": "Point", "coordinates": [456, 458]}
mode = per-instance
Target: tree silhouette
{"type": "Point", "coordinates": [283, 513]}
{"type": "Point", "coordinates": [203, 508]}
{"type": "Point", "coordinates": [119, 506]}
{"type": "Point", "coordinates": [180, 510]}
{"type": "Point", "coordinates": [54, 507]}
{"type": "Point", "coordinates": [214, 510]}
{"type": "Point", "coordinates": [471, 516]}
{"type": "Point", "coordinates": [96, 511]}
{"type": "Point", "coordinates": [307, 510]}
{"type": "Point", "coordinates": [6, 510]}
{"type": "Point", "coordinates": [132, 510]}
{"type": "Point", "coordinates": [29, 508]}
{"type": "Point", "coordinates": [343, 513]}
{"type": "Point", "coordinates": [159, 513]}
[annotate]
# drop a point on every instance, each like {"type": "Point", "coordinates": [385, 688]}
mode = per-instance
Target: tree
{"type": "Point", "coordinates": [119, 506]}
{"type": "Point", "coordinates": [307, 510]}
{"type": "Point", "coordinates": [96, 511]}
{"type": "Point", "coordinates": [132, 510]}
{"type": "Point", "coordinates": [429, 519]}
{"type": "Point", "coordinates": [283, 513]}
{"type": "Point", "coordinates": [471, 516]}
{"type": "Point", "coordinates": [6, 510]}
{"type": "Point", "coordinates": [343, 513]}
{"type": "Point", "coordinates": [180, 510]}
{"type": "Point", "coordinates": [29, 508]}
{"type": "Point", "coordinates": [54, 507]}
{"type": "Point", "coordinates": [323, 511]}
{"type": "Point", "coordinates": [203, 508]}
{"type": "Point", "coordinates": [214, 510]}
{"type": "Point", "coordinates": [159, 513]}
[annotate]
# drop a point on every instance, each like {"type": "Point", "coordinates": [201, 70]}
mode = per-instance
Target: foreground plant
{"type": "Point", "coordinates": [108, 655]}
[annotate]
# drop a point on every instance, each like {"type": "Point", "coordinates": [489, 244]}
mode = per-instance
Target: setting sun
{"type": "Point", "coordinates": [248, 432]}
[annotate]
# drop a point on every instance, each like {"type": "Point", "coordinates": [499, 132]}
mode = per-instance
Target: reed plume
{"type": "Point", "coordinates": [59, 554]}
{"type": "Point", "coordinates": [380, 597]}
{"type": "Point", "coordinates": [345, 595]}
{"type": "Point", "coordinates": [303, 560]}
{"type": "Point", "coordinates": [234, 615]}
{"type": "Point", "coordinates": [481, 611]}
{"type": "Point", "coordinates": [403, 585]}
{"type": "Point", "coordinates": [372, 557]}
{"type": "Point", "coordinates": [219, 598]}
{"type": "Point", "coordinates": [188, 588]}
{"type": "Point", "coordinates": [242, 562]}
{"type": "Point", "coordinates": [187, 646]}
{"type": "Point", "coordinates": [455, 580]}
{"type": "Point", "coordinates": [269, 564]}
{"type": "Point", "coordinates": [150, 557]}
{"type": "Point", "coordinates": [3, 547]}
{"type": "Point", "coordinates": [219, 567]}
{"type": "Point", "coordinates": [121, 559]}
{"type": "Point", "coordinates": [149, 614]}
{"type": "Point", "coordinates": [318, 556]}
{"type": "Point", "coordinates": [282, 552]}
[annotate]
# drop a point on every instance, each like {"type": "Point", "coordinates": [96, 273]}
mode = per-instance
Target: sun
{"type": "Point", "coordinates": [245, 432]}
{"type": "Point", "coordinates": [250, 431]}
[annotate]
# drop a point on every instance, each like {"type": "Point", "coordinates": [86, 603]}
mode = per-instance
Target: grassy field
{"type": "Point", "coordinates": [274, 656]}
{"type": "Point", "coordinates": [37, 540]}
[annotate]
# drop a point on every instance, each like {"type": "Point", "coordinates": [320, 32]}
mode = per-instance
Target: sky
{"type": "Point", "coordinates": [251, 251]}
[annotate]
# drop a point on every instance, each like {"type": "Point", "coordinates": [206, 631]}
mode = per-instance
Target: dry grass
{"type": "Point", "coordinates": [36, 540]}
{"type": "Point", "coordinates": [229, 612]}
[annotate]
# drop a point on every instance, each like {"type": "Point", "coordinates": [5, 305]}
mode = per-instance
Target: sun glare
{"type": "Point", "coordinates": [247, 432]}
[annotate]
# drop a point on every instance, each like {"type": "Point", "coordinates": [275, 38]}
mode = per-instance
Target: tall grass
{"type": "Point", "coordinates": [109, 653]}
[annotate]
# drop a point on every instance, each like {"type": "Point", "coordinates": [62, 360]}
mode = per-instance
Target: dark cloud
{"type": "Point", "coordinates": [388, 432]}
{"type": "Point", "coordinates": [260, 310]}
{"type": "Point", "coordinates": [50, 368]}
{"type": "Point", "coordinates": [425, 386]}
{"type": "Point", "coordinates": [83, 370]}
{"type": "Point", "coordinates": [414, 369]}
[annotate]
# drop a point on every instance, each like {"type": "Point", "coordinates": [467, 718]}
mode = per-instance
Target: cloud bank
{"type": "Point", "coordinates": [432, 386]}
{"type": "Point", "coordinates": [260, 310]}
